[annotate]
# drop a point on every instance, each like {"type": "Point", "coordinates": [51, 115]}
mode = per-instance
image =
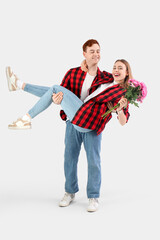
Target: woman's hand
{"type": "Point", "coordinates": [123, 103]}
{"type": "Point", "coordinates": [84, 66]}
{"type": "Point", "coordinates": [110, 105]}
{"type": "Point", "coordinates": [57, 97]}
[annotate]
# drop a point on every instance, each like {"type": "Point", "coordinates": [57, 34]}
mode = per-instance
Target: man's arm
{"type": "Point", "coordinates": [108, 75]}
{"type": "Point", "coordinates": [66, 80]}
{"type": "Point", "coordinates": [57, 97]}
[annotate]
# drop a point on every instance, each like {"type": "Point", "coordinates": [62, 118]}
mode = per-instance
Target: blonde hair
{"type": "Point", "coordinates": [129, 72]}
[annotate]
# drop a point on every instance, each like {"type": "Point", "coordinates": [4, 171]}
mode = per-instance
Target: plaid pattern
{"type": "Point", "coordinates": [89, 115]}
{"type": "Point", "coordinates": [74, 78]}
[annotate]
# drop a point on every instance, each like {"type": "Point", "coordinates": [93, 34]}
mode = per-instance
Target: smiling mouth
{"type": "Point", "coordinates": [116, 75]}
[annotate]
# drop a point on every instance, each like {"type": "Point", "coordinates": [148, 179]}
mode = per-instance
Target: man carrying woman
{"type": "Point", "coordinates": [85, 94]}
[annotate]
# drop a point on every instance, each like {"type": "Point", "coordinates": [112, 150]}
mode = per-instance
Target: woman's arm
{"type": "Point", "coordinates": [121, 115]}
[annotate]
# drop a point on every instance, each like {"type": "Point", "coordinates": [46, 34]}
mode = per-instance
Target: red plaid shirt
{"type": "Point", "coordinates": [89, 115]}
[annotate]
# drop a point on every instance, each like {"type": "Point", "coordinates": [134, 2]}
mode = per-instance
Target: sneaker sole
{"type": "Point", "coordinates": [61, 205]}
{"type": "Point", "coordinates": [19, 128]}
{"type": "Point", "coordinates": [91, 210]}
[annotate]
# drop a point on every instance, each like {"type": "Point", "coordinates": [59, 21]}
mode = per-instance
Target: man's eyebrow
{"type": "Point", "coordinates": [92, 50]}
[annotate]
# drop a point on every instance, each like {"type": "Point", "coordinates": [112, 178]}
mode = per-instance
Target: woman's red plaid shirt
{"type": "Point", "coordinates": [89, 115]}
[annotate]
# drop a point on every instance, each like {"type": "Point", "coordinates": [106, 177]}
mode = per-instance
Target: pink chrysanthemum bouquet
{"type": "Point", "coordinates": [136, 92]}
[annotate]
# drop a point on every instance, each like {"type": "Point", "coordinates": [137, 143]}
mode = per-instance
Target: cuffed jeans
{"type": "Point", "coordinates": [73, 139]}
{"type": "Point", "coordinates": [70, 103]}
{"type": "Point", "coordinates": [92, 145]}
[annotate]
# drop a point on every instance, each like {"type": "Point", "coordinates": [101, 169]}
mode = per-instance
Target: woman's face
{"type": "Point", "coordinates": [119, 72]}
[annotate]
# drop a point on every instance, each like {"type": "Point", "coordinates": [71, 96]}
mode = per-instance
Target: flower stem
{"type": "Point", "coordinates": [110, 110]}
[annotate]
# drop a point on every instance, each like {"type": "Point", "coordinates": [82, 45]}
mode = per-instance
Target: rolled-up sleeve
{"type": "Point", "coordinates": [65, 83]}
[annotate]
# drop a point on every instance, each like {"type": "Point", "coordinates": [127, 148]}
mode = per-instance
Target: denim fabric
{"type": "Point", "coordinates": [36, 90]}
{"type": "Point", "coordinates": [70, 103]}
{"type": "Point", "coordinates": [73, 142]}
{"type": "Point", "coordinates": [92, 145]}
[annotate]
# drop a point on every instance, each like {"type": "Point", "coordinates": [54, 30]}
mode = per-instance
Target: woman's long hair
{"type": "Point", "coordinates": [128, 68]}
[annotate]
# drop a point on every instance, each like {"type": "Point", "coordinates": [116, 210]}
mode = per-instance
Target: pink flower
{"type": "Point", "coordinates": [134, 82]}
{"type": "Point", "coordinates": [143, 88]}
{"type": "Point", "coordinates": [136, 91]}
{"type": "Point", "coordinates": [143, 92]}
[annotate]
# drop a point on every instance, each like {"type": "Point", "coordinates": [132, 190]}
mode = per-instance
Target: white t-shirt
{"type": "Point", "coordinates": [86, 86]}
{"type": "Point", "coordinates": [100, 89]}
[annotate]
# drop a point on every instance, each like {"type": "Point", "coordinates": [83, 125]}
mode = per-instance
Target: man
{"type": "Point", "coordinates": [79, 82]}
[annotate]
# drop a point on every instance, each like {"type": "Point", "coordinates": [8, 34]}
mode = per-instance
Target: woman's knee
{"type": "Point", "coordinates": [56, 88]}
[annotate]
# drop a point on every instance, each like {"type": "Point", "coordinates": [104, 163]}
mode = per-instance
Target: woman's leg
{"type": "Point", "coordinates": [70, 104]}
{"type": "Point", "coordinates": [15, 84]}
{"type": "Point", "coordinates": [36, 90]}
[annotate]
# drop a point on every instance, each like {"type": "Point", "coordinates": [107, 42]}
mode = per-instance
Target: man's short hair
{"type": "Point", "coordinates": [89, 43]}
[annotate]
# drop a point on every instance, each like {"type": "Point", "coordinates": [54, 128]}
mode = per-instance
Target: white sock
{"type": "Point", "coordinates": [19, 84]}
{"type": "Point", "coordinates": [26, 118]}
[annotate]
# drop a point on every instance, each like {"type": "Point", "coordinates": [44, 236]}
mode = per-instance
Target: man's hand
{"type": "Point", "coordinates": [57, 97]}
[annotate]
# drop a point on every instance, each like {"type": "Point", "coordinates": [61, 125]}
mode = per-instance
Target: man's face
{"type": "Point", "coordinates": [92, 54]}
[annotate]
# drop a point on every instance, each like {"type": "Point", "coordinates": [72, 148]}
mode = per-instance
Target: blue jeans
{"type": "Point", "coordinates": [73, 139]}
{"type": "Point", "coordinates": [70, 103]}
{"type": "Point", "coordinates": [92, 145]}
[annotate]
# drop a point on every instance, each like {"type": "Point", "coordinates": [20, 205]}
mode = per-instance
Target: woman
{"type": "Point", "coordinates": [105, 96]}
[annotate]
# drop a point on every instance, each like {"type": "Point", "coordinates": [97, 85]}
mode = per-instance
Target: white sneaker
{"type": "Point", "coordinates": [67, 199]}
{"type": "Point", "coordinates": [20, 124]}
{"type": "Point", "coordinates": [12, 79]}
{"type": "Point", "coordinates": [93, 205]}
